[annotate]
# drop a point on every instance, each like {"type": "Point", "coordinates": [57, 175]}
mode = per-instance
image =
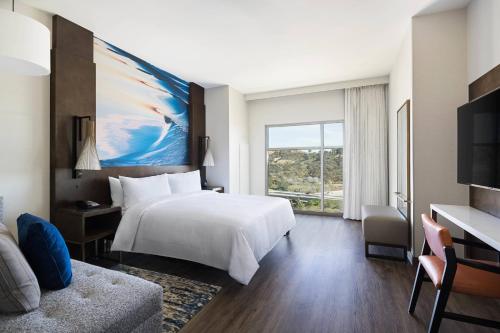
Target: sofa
{"type": "Point", "coordinates": [97, 300]}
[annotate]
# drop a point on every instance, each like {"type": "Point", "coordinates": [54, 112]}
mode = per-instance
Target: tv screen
{"type": "Point", "coordinates": [479, 141]}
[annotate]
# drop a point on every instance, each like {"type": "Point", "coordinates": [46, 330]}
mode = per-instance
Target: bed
{"type": "Point", "coordinates": [226, 231]}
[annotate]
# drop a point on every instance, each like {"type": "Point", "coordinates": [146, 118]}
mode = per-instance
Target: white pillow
{"type": "Point", "coordinates": [140, 189]}
{"type": "Point", "coordinates": [116, 192]}
{"type": "Point", "coordinates": [185, 182]}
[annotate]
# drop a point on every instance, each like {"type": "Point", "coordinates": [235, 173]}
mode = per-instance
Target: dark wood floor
{"type": "Point", "coordinates": [318, 280]}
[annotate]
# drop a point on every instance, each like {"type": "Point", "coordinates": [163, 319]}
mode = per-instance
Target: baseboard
{"type": "Point", "coordinates": [305, 212]}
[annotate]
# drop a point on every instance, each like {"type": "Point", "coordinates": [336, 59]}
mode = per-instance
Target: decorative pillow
{"type": "Point", "coordinates": [136, 190]}
{"type": "Point", "coordinates": [19, 290]}
{"type": "Point", "coordinates": [116, 192]}
{"type": "Point", "coordinates": [45, 249]}
{"type": "Point", "coordinates": [185, 182]}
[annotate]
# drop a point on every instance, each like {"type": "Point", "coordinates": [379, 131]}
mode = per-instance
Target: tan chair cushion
{"type": "Point", "coordinates": [468, 280]}
{"type": "Point", "coordinates": [437, 236]}
{"type": "Point", "coordinates": [384, 224]}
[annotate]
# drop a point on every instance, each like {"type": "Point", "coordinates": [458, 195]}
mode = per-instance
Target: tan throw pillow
{"type": "Point", "coordinates": [19, 290]}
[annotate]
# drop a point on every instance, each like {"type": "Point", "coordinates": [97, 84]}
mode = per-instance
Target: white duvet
{"type": "Point", "coordinates": [226, 231]}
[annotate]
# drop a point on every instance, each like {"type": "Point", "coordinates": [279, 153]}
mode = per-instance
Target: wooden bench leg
{"type": "Point", "coordinates": [380, 256]}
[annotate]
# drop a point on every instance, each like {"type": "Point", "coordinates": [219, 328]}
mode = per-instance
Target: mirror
{"type": "Point", "coordinates": [403, 136]}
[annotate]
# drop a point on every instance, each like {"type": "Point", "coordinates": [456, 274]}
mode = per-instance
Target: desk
{"type": "Point", "coordinates": [482, 225]}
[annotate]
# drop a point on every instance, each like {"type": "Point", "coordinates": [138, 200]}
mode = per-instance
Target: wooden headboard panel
{"type": "Point", "coordinates": [73, 93]}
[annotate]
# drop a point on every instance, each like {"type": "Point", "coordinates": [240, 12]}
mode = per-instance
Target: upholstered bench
{"type": "Point", "coordinates": [384, 226]}
{"type": "Point", "coordinates": [97, 300]}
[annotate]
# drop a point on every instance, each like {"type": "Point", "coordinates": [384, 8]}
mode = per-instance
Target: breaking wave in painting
{"type": "Point", "coordinates": [141, 111]}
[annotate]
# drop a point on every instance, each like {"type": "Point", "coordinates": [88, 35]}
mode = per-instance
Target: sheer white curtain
{"type": "Point", "coordinates": [365, 149]}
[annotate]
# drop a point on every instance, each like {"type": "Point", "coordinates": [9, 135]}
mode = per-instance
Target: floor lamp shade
{"type": "Point", "coordinates": [24, 45]}
{"type": "Point", "coordinates": [88, 159]}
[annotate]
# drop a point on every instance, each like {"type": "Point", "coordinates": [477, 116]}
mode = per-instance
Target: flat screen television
{"type": "Point", "coordinates": [479, 141]}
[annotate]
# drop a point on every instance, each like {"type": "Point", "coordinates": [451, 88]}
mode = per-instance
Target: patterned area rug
{"type": "Point", "coordinates": [182, 298]}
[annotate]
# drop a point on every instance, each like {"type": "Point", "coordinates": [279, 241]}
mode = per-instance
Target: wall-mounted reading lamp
{"type": "Point", "coordinates": [208, 158]}
{"type": "Point", "coordinates": [87, 159]}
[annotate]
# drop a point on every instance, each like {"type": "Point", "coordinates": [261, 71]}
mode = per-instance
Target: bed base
{"type": "Point", "coordinates": [120, 253]}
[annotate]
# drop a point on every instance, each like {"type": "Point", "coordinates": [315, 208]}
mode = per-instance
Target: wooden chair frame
{"type": "Point", "coordinates": [443, 293]}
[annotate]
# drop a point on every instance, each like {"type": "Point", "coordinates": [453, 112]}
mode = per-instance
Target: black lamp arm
{"type": "Point", "coordinates": [79, 125]}
{"type": "Point", "coordinates": [203, 149]}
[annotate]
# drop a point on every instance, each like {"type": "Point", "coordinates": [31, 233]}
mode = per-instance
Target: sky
{"type": "Point", "coordinates": [306, 135]}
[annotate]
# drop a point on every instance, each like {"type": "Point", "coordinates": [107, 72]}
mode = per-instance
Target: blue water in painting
{"type": "Point", "coordinates": [165, 107]}
{"type": "Point", "coordinates": [173, 149]}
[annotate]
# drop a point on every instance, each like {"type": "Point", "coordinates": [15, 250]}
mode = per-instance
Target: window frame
{"type": "Point", "coordinates": [321, 150]}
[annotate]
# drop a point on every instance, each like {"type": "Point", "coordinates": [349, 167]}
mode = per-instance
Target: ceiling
{"type": "Point", "coordinates": [255, 45]}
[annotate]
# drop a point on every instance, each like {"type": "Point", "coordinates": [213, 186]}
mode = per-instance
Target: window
{"type": "Point", "coordinates": [304, 165]}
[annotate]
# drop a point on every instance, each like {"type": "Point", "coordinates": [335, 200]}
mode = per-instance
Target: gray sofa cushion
{"type": "Point", "coordinates": [19, 290]}
{"type": "Point", "coordinates": [384, 224]}
{"type": "Point", "coordinates": [97, 300]}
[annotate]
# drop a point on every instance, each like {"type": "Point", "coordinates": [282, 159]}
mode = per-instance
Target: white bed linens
{"type": "Point", "coordinates": [227, 231]}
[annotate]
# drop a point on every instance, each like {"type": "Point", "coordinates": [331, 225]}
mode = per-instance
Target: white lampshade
{"type": "Point", "coordinates": [88, 159]}
{"type": "Point", "coordinates": [24, 45]}
{"type": "Point", "coordinates": [208, 161]}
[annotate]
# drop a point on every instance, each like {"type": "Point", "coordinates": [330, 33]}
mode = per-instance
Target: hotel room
{"type": "Point", "coordinates": [249, 166]}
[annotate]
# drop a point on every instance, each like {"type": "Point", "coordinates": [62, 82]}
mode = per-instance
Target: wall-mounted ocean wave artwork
{"type": "Point", "coordinates": [141, 111]}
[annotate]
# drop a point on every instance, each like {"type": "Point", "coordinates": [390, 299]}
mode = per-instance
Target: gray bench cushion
{"type": "Point", "coordinates": [384, 224]}
{"type": "Point", "coordinates": [97, 300]}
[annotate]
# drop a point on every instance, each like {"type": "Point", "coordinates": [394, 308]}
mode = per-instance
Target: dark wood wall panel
{"type": "Point", "coordinates": [197, 119]}
{"type": "Point", "coordinates": [197, 123]}
{"type": "Point", "coordinates": [73, 93]}
{"type": "Point", "coordinates": [481, 198]}
{"type": "Point", "coordinates": [486, 83]}
{"type": "Point", "coordinates": [485, 200]}
{"type": "Point", "coordinates": [72, 38]}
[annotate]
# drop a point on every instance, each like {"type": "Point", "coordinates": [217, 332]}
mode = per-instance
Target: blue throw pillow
{"type": "Point", "coordinates": [44, 248]}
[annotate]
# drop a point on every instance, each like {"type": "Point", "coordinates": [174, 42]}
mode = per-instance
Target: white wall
{"type": "Point", "coordinates": [319, 88]}
{"type": "Point", "coordinates": [439, 87]}
{"type": "Point", "coordinates": [238, 143]}
{"type": "Point", "coordinates": [227, 126]}
{"type": "Point", "coordinates": [431, 71]}
{"type": "Point", "coordinates": [217, 128]}
{"type": "Point", "coordinates": [483, 37]}
{"type": "Point", "coordinates": [24, 134]}
{"type": "Point", "coordinates": [400, 88]}
{"type": "Point", "coordinates": [322, 106]}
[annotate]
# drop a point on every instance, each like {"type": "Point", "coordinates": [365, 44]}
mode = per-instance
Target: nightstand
{"type": "Point", "coordinates": [219, 189]}
{"type": "Point", "coordinates": [81, 227]}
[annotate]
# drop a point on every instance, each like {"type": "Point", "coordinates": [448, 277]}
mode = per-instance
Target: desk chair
{"type": "Point", "coordinates": [451, 274]}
